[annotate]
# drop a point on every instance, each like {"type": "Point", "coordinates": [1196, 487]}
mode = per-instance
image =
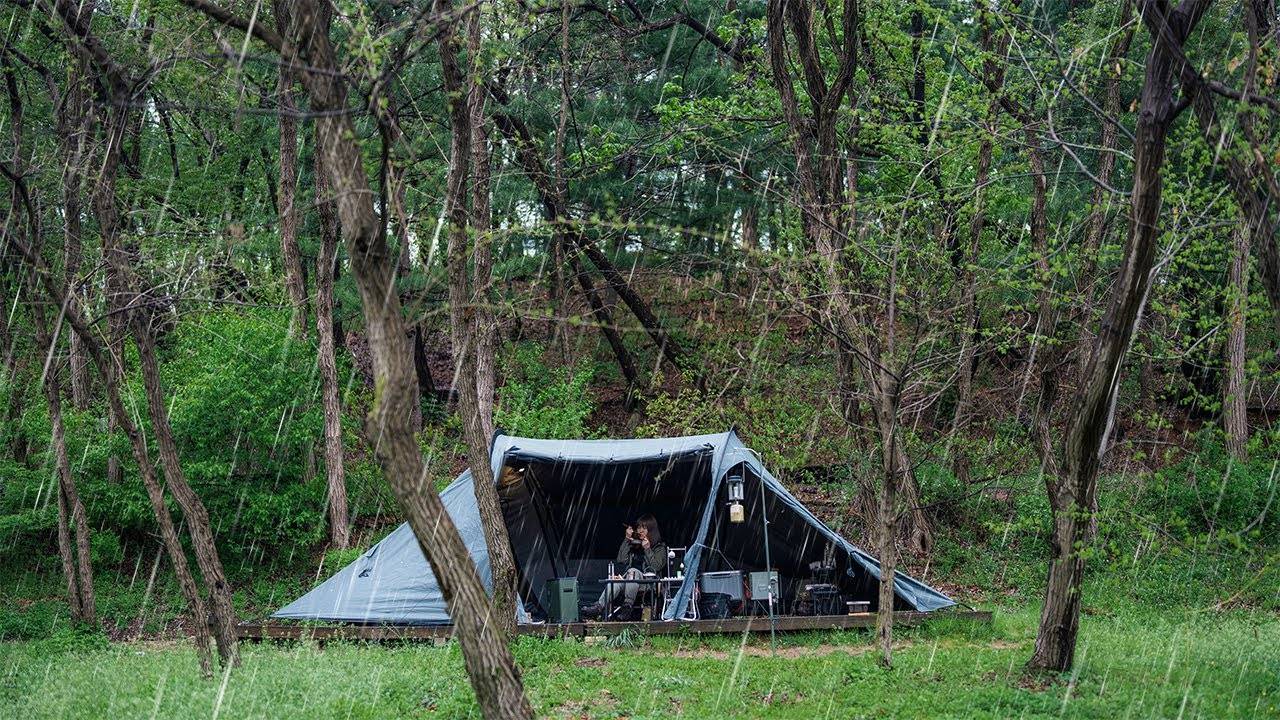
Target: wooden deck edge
{"type": "Point", "coordinates": [392, 633]}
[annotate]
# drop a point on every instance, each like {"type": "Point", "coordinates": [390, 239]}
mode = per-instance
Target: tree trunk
{"type": "Point", "coordinates": [668, 346]}
{"type": "Point", "coordinates": [335, 476]}
{"type": "Point", "coordinates": [555, 209]}
{"type": "Point", "coordinates": [397, 208]}
{"type": "Point", "coordinates": [1060, 615]}
{"type": "Point", "coordinates": [193, 509]}
{"type": "Point", "coordinates": [421, 368]}
{"type": "Point", "coordinates": [130, 310]}
{"type": "Point", "coordinates": [1112, 102]}
{"type": "Point", "coordinates": [466, 336]}
{"type": "Point", "coordinates": [604, 319]}
{"type": "Point", "coordinates": [888, 520]}
{"type": "Point", "coordinates": [65, 553]}
{"type": "Point", "coordinates": [559, 249]}
{"type": "Point", "coordinates": [961, 461]}
{"type": "Point", "coordinates": [826, 216]}
{"type": "Point", "coordinates": [292, 256]}
{"type": "Point", "coordinates": [70, 511]}
{"type": "Point", "coordinates": [993, 75]}
{"type": "Point", "coordinates": [489, 663]}
{"type": "Point", "coordinates": [1073, 493]}
{"type": "Point", "coordinates": [78, 570]}
{"type": "Point", "coordinates": [751, 227]}
{"type": "Point", "coordinates": [1235, 420]}
{"type": "Point", "coordinates": [73, 132]}
{"type": "Point", "coordinates": [482, 224]}
{"type": "Point", "coordinates": [73, 551]}
{"type": "Point", "coordinates": [1251, 195]}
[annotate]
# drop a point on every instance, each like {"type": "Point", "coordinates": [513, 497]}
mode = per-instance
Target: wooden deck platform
{"type": "Point", "coordinates": [737, 626]}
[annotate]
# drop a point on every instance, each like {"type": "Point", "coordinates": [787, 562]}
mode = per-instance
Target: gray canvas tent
{"type": "Point", "coordinates": [565, 503]}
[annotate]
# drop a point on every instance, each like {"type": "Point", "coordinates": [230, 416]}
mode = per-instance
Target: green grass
{"type": "Point", "coordinates": [1136, 663]}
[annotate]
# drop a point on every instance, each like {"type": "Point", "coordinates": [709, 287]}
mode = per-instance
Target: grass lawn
{"type": "Point", "coordinates": [1133, 664]}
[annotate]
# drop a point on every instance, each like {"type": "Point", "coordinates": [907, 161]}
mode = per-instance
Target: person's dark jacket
{"type": "Point", "coordinates": [655, 558]}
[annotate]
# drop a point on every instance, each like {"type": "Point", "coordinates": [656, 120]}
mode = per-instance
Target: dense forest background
{"type": "Point", "coordinates": [882, 241]}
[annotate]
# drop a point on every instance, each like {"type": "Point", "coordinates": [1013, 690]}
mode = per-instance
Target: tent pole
{"type": "Point", "coordinates": [768, 566]}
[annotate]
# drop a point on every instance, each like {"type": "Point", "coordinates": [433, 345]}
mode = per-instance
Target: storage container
{"type": "Point", "coordinates": [728, 582]}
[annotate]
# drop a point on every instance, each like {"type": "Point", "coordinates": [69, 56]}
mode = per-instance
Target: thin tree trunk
{"type": "Point", "coordinates": [130, 309]}
{"type": "Point", "coordinates": [399, 211]}
{"type": "Point", "coordinates": [1100, 199]}
{"type": "Point", "coordinates": [1258, 18]}
{"type": "Point", "coordinates": [482, 224]}
{"type": "Point", "coordinates": [993, 72]}
{"type": "Point", "coordinates": [289, 251]}
{"type": "Point", "coordinates": [73, 547]}
{"type": "Point", "coordinates": [65, 554]}
{"type": "Point", "coordinates": [71, 511]}
{"type": "Point", "coordinates": [78, 569]}
{"type": "Point", "coordinates": [466, 334]}
{"type": "Point", "coordinates": [670, 348]}
{"type": "Point", "coordinates": [1073, 493]}
{"type": "Point", "coordinates": [826, 216]}
{"type": "Point", "coordinates": [961, 461]}
{"type": "Point", "coordinates": [751, 227]}
{"type": "Point", "coordinates": [554, 208]}
{"type": "Point", "coordinates": [392, 207]}
{"type": "Point", "coordinates": [193, 509]}
{"type": "Point", "coordinates": [610, 331]}
{"type": "Point", "coordinates": [560, 250]}
{"type": "Point", "coordinates": [888, 518]}
{"type": "Point", "coordinates": [1252, 197]}
{"type": "Point", "coordinates": [421, 368]}
{"type": "Point", "coordinates": [1235, 420]}
{"type": "Point", "coordinates": [335, 475]}
{"type": "Point", "coordinates": [73, 132]}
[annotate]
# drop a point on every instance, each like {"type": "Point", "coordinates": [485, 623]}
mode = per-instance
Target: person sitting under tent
{"type": "Point", "coordinates": [641, 553]}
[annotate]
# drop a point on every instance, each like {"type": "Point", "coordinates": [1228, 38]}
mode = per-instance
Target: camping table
{"type": "Point", "coordinates": [660, 587]}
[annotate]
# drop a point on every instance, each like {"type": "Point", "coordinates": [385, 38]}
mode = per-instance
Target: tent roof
{"type": "Point", "coordinates": [628, 450]}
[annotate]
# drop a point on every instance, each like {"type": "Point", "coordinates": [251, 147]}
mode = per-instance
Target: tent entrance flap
{"type": "Point", "coordinates": [567, 519]}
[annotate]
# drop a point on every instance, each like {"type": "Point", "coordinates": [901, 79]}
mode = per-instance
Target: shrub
{"type": "Point", "coordinates": [1208, 491]}
{"type": "Point", "coordinates": [541, 401]}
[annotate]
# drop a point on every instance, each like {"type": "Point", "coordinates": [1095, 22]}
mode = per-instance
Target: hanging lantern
{"type": "Point", "coordinates": [737, 513]}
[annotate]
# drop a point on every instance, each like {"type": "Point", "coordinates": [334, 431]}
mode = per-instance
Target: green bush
{"type": "Point", "coordinates": [541, 401]}
{"type": "Point", "coordinates": [244, 406]}
{"type": "Point", "coordinates": [28, 514]}
{"type": "Point", "coordinates": [1208, 491]}
{"type": "Point", "coordinates": [105, 549]}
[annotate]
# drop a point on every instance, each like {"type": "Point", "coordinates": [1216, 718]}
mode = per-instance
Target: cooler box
{"type": "Point", "coordinates": [727, 582]}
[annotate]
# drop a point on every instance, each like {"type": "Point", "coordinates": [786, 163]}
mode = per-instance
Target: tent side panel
{"type": "Point", "coordinates": [392, 582]}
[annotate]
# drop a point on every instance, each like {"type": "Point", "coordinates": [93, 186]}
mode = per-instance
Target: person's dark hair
{"type": "Point", "coordinates": [650, 524]}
